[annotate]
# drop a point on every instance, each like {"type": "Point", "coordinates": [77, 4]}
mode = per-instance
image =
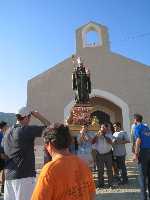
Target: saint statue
{"type": "Point", "coordinates": [81, 82]}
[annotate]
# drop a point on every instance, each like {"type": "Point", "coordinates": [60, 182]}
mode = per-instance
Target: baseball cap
{"type": "Point", "coordinates": [23, 112]}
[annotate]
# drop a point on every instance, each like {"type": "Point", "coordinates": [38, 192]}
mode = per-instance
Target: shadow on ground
{"type": "Point", "coordinates": [129, 191]}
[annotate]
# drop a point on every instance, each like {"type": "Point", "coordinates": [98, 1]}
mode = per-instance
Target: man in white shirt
{"type": "Point", "coordinates": [120, 138]}
{"type": "Point", "coordinates": [103, 146]}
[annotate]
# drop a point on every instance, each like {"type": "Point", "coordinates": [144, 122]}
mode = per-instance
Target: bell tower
{"type": "Point", "coordinates": [92, 29]}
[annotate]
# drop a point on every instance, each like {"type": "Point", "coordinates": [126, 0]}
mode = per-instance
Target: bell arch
{"type": "Point", "coordinates": [91, 30]}
{"type": "Point", "coordinates": [92, 38]}
{"type": "Point", "coordinates": [100, 30]}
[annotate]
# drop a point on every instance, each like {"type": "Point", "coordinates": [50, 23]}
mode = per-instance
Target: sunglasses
{"type": "Point", "coordinates": [115, 126]}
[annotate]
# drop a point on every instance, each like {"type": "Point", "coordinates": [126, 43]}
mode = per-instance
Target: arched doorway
{"type": "Point", "coordinates": [115, 100]}
{"type": "Point", "coordinates": [121, 109]}
{"type": "Point", "coordinates": [106, 110]}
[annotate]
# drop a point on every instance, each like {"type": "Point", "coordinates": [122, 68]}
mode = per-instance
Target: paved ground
{"type": "Point", "coordinates": [127, 192]}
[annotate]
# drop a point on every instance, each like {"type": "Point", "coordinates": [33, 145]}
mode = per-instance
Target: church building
{"type": "Point", "coordinates": [120, 85]}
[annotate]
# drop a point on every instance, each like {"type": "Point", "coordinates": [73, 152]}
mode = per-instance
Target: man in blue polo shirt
{"type": "Point", "coordinates": [142, 151]}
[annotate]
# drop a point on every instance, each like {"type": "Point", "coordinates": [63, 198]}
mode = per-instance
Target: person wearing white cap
{"type": "Point", "coordinates": [18, 146]}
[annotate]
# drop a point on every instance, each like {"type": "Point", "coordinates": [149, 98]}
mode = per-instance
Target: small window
{"type": "Point", "coordinates": [92, 38]}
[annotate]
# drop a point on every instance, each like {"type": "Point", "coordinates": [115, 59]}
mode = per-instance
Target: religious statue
{"type": "Point", "coordinates": [81, 82]}
{"type": "Point", "coordinates": [95, 121]}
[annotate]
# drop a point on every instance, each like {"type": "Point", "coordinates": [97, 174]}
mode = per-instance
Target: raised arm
{"type": "Point", "coordinates": [83, 136]}
{"type": "Point", "coordinates": [40, 117]}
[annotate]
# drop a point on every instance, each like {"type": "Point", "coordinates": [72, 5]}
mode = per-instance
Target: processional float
{"type": "Point", "coordinates": [81, 84]}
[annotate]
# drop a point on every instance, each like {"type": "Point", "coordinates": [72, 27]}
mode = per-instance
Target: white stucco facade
{"type": "Point", "coordinates": [120, 84]}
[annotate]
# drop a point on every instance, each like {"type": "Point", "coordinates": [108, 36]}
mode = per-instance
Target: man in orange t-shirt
{"type": "Point", "coordinates": [66, 177]}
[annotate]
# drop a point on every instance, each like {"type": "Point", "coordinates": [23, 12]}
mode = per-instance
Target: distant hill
{"type": "Point", "coordinates": [10, 118]}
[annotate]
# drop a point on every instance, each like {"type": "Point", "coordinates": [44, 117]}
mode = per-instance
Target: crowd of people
{"type": "Point", "coordinates": [69, 161]}
{"type": "Point", "coordinates": [107, 148]}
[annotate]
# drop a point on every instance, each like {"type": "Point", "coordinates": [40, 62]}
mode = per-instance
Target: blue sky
{"type": "Point", "coordinates": [37, 34]}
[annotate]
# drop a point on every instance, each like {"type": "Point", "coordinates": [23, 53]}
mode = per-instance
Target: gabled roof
{"type": "Point", "coordinates": [92, 23]}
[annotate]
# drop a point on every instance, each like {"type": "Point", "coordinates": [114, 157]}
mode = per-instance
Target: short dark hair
{"type": "Point", "coordinates": [138, 117]}
{"type": "Point", "coordinates": [3, 124]}
{"type": "Point", "coordinates": [118, 124]}
{"type": "Point", "coordinates": [104, 123]}
{"type": "Point", "coordinates": [59, 136]}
